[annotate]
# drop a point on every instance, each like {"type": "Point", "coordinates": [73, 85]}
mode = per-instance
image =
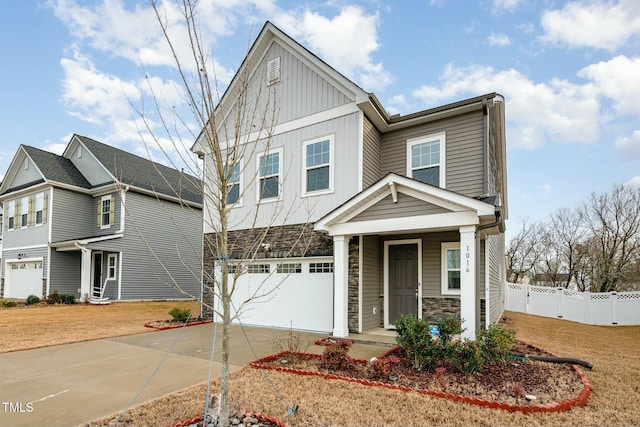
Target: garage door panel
{"type": "Point", "coordinates": [300, 300]}
{"type": "Point", "coordinates": [23, 279]}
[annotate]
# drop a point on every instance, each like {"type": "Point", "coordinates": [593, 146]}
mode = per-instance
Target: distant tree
{"type": "Point", "coordinates": [523, 251]}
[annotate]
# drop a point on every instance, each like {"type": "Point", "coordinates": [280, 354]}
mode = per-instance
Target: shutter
{"type": "Point", "coordinates": [45, 204]}
{"type": "Point", "coordinates": [5, 217]}
{"type": "Point", "coordinates": [98, 222]}
{"type": "Point", "coordinates": [112, 214]}
{"type": "Point", "coordinates": [17, 221]}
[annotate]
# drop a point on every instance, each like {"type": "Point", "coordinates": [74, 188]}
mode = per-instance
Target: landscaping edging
{"type": "Point", "coordinates": [179, 325]}
{"type": "Point", "coordinates": [563, 405]}
{"type": "Point", "coordinates": [258, 415]}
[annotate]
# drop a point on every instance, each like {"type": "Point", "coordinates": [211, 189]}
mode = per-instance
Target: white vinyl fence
{"type": "Point", "coordinates": [611, 308]}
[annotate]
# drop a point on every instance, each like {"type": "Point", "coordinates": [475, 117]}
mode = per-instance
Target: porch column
{"type": "Point", "coordinates": [85, 273]}
{"type": "Point", "coordinates": [468, 293]}
{"type": "Point", "coordinates": [340, 286]}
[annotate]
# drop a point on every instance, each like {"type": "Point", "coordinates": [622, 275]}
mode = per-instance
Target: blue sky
{"type": "Point", "coordinates": [570, 73]}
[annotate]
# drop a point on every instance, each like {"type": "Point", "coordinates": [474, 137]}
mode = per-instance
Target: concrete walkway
{"type": "Point", "coordinates": [72, 384]}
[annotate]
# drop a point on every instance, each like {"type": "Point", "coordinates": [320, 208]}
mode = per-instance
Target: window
{"type": "Point", "coordinates": [233, 184]}
{"type": "Point", "coordinates": [24, 212]}
{"type": "Point", "coordinates": [317, 165]}
{"type": "Point", "coordinates": [321, 267]}
{"type": "Point", "coordinates": [269, 170]}
{"type": "Point", "coordinates": [451, 268]}
{"type": "Point", "coordinates": [11, 215]}
{"type": "Point", "coordinates": [111, 266]}
{"type": "Point", "coordinates": [425, 159]}
{"type": "Point", "coordinates": [40, 209]}
{"type": "Point", "coordinates": [273, 71]}
{"type": "Point", "coordinates": [289, 268]}
{"type": "Point", "coordinates": [259, 269]}
{"type": "Point", "coordinates": [106, 211]}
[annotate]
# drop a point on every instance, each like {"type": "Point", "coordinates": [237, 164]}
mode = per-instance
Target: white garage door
{"type": "Point", "coordinates": [296, 294]}
{"type": "Point", "coordinates": [23, 279]}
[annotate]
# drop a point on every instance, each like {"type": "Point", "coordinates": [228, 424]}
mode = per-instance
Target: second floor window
{"type": "Point", "coordinates": [11, 215]}
{"type": "Point", "coordinates": [425, 159]}
{"type": "Point", "coordinates": [318, 165]}
{"type": "Point", "coordinates": [270, 176]}
{"type": "Point", "coordinates": [233, 184]}
{"type": "Point", "coordinates": [106, 212]}
{"type": "Point", "coordinates": [39, 208]}
{"type": "Point", "coordinates": [24, 212]}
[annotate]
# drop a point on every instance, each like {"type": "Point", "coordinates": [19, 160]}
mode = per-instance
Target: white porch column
{"type": "Point", "coordinates": [340, 286]}
{"type": "Point", "coordinates": [85, 273]}
{"type": "Point", "coordinates": [468, 293]}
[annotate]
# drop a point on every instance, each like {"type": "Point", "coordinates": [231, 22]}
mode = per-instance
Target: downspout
{"type": "Point", "coordinates": [85, 270]}
{"type": "Point", "coordinates": [487, 291]}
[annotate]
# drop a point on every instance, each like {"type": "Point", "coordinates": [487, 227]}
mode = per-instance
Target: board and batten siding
{"type": "Point", "coordinates": [72, 215]}
{"type": "Point", "coordinates": [25, 175]}
{"type": "Point", "coordinates": [495, 250]}
{"type": "Point", "coordinates": [174, 234]}
{"type": "Point", "coordinates": [371, 283]}
{"type": "Point", "coordinates": [87, 164]}
{"type": "Point", "coordinates": [464, 161]}
{"type": "Point", "coordinates": [65, 272]}
{"type": "Point", "coordinates": [406, 205]}
{"type": "Point", "coordinates": [296, 208]}
{"type": "Point", "coordinates": [371, 155]}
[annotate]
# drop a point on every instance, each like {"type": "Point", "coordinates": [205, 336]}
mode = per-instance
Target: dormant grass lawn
{"type": "Point", "coordinates": [615, 379]}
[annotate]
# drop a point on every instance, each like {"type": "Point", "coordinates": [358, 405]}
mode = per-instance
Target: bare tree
{"type": "Point", "coordinates": [613, 222]}
{"type": "Point", "coordinates": [563, 234]}
{"type": "Point", "coordinates": [523, 252]}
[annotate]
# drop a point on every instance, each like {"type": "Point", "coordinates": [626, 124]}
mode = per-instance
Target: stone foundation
{"type": "Point", "coordinates": [434, 308]}
{"type": "Point", "coordinates": [353, 305]}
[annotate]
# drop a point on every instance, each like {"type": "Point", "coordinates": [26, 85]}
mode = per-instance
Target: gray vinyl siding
{"type": "Point", "coordinates": [92, 170]}
{"type": "Point", "coordinates": [65, 272]}
{"type": "Point", "coordinates": [32, 235]}
{"type": "Point", "coordinates": [371, 156]}
{"type": "Point", "coordinates": [294, 208]}
{"type": "Point", "coordinates": [371, 283]}
{"type": "Point", "coordinates": [409, 206]}
{"type": "Point", "coordinates": [25, 176]}
{"type": "Point", "coordinates": [494, 178]}
{"type": "Point", "coordinates": [495, 248]}
{"type": "Point", "coordinates": [297, 82]}
{"type": "Point", "coordinates": [162, 243]}
{"type": "Point", "coordinates": [464, 160]}
{"type": "Point", "coordinates": [72, 215]}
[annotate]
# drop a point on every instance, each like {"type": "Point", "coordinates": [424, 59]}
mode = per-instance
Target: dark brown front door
{"type": "Point", "coordinates": [97, 274]}
{"type": "Point", "coordinates": [403, 280]}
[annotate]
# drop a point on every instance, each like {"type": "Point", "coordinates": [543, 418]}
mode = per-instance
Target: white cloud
{"type": "Point", "coordinates": [545, 188]}
{"type": "Point", "coordinates": [498, 40]}
{"type": "Point", "coordinates": [629, 146]}
{"type": "Point", "coordinates": [536, 113]}
{"type": "Point", "coordinates": [634, 182]}
{"type": "Point", "coordinates": [600, 24]}
{"type": "Point", "coordinates": [502, 5]}
{"type": "Point", "coordinates": [618, 79]}
{"type": "Point", "coordinates": [347, 42]}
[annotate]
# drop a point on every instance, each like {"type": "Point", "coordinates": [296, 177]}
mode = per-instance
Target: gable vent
{"type": "Point", "coordinates": [273, 71]}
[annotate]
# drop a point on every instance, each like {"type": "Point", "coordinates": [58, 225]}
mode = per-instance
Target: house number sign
{"type": "Point", "coordinates": [467, 258]}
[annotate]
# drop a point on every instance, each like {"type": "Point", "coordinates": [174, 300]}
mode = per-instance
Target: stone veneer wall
{"type": "Point", "coordinates": [436, 308]}
{"type": "Point", "coordinates": [286, 241]}
{"type": "Point", "coordinates": [353, 307]}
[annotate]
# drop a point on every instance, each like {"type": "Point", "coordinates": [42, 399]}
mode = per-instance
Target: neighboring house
{"type": "Point", "coordinates": [407, 213]}
{"type": "Point", "coordinates": [98, 222]}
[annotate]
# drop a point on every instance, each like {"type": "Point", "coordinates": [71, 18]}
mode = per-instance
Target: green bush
{"type": "Point", "coordinates": [32, 300]}
{"type": "Point", "coordinates": [413, 336]}
{"type": "Point", "coordinates": [180, 315]}
{"type": "Point", "coordinates": [448, 327]}
{"type": "Point", "coordinates": [496, 343]}
{"type": "Point", "coordinates": [67, 299]}
{"type": "Point", "coordinates": [8, 303]}
{"type": "Point", "coordinates": [53, 298]}
{"type": "Point", "coordinates": [468, 356]}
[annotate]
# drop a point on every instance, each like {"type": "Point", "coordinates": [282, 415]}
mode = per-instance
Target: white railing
{"type": "Point", "coordinates": [612, 308]}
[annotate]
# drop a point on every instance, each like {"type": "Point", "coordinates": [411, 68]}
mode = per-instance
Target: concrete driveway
{"type": "Point", "coordinates": [71, 384]}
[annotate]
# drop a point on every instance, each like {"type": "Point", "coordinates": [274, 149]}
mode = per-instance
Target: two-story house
{"type": "Point", "coordinates": [100, 224]}
{"type": "Point", "coordinates": [399, 214]}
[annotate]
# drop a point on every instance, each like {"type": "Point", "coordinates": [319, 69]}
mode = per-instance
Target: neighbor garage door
{"type": "Point", "coordinates": [297, 294]}
{"type": "Point", "coordinates": [23, 279]}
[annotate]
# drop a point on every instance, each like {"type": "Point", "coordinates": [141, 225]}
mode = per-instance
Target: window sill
{"type": "Point", "coordinates": [318, 193]}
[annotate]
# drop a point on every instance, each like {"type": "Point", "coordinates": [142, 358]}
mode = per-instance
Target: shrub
{"type": "Point", "coordinates": [53, 298]}
{"type": "Point", "coordinates": [448, 327]}
{"type": "Point", "coordinates": [413, 336]}
{"type": "Point", "coordinates": [32, 300]}
{"type": "Point", "coordinates": [67, 299]}
{"type": "Point", "coordinates": [9, 303]}
{"type": "Point", "coordinates": [180, 314]}
{"type": "Point", "coordinates": [336, 357]}
{"type": "Point", "coordinates": [496, 343]}
{"type": "Point", "coordinates": [292, 342]}
{"type": "Point", "coordinates": [467, 356]}
{"type": "Point", "coordinates": [381, 369]}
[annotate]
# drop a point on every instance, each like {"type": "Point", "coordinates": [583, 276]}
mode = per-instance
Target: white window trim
{"type": "Point", "coordinates": [11, 207]}
{"type": "Point", "coordinates": [280, 163]}
{"type": "Point", "coordinates": [441, 137]}
{"type": "Point", "coordinates": [329, 190]}
{"type": "Point", "coordinates": [35, 210]}
{"type": "Point", "coordinates": [115, 267]}
{"type": "Point", "coordinates": [102, 225]}
{"type": "Point", "coordinates": [443, 268]}
{"type": "Point", "coordinates": [238, 203]}
{"type": "Point", "coordinates": [24, 211]}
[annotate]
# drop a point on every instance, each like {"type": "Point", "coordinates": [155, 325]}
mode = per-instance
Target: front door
{"type": "Point", "coordinates": [403, 280]}
{"type": "Point", "coordinates": [97, 274]}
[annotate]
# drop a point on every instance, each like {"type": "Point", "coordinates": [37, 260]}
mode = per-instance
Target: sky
{"type": "Point", "coordinates": [569, 72]}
